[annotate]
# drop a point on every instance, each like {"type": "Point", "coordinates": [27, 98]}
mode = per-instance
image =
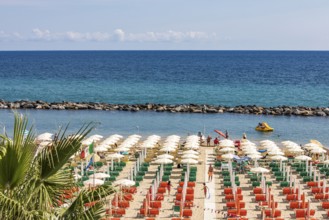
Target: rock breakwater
{"type": "Point", "coordinates": [182, 108]}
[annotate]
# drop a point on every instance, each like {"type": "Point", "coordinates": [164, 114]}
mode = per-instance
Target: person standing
{"type": "Point", "coordinates": [210, 173]}
{"type": "Point", "coordinates": [208, 140]}
{"type": "Point", "coordinates": [216, 141]}
{"type": "Point", "coordinates": [226, 134]}
{"type": "Point", "coordinates": [205, 190]}
{"type": "Point", "coordinates": [169, 187]}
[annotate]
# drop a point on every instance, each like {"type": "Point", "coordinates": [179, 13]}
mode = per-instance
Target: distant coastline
{"type": "Point", "coordinates": [177, 108]}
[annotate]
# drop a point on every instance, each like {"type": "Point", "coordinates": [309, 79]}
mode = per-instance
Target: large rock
{"type": "Point", "coordinates": [326, 110]}
{"type": "Point", "coordinates": [61, 107]}
{"type": "Point", "coordinates": [28, 105]}
{"type": "Point", "coordinates": [212, 110]}
{"type": "Point", "coordinates": [320, 113]}
{"type": "Point", "coordinates": [195, 110]}
{"type": "Point", "coordinates": [2, 106]}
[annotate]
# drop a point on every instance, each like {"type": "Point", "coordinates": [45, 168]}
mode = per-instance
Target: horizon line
{"type": "Point", "coordinates": [258, 50]}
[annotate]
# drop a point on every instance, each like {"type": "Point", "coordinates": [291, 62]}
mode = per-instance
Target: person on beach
{"type": "Point", "coordinates": [208, 140]}
{"type": "Point", "coordinates": [244, 136]}
{"type": "Point", "coordinates": [169, 187]}
{"type": "Point", "coordinates": [205, 190]}
{"type": "Point", "coordinates": [226, 134]}
{"type": "Point", "coordinates": [210, 173]}
{"type": "Point", "coordinates": [216, 142]}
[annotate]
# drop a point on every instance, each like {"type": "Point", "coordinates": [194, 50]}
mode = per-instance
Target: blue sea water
{"type": "Point", "coordinates": [267, 78]}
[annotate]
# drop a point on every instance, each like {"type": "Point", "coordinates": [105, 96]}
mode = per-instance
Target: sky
{"type": "Point", "coordinates": [164, 25]}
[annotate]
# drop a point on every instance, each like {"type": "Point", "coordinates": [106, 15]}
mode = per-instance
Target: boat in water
{"type": "Point", "coordinates": [264, 127]}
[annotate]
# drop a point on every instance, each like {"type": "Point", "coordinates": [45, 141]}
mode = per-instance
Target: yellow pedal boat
{"type": "Point", "coordinates": [264, 127]}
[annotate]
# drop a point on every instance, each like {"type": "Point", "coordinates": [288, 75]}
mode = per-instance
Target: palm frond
{"type": "Point", "coordinates": [12, 209]}
{"type": "Point", "coordinates": [77, 207]}
{"type": "Point", "coordinates": [16, 161]}
{"type": "Point", "coordinates": [55, 156]}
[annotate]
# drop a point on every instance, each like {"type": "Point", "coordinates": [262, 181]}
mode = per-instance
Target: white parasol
{"type": "Point", "coordinates": [45, 137]}
{"type": "Point", "coordinates": [259, 170]}
{"type": "Point", "coordinates": [190, 152]}
{"type": "Point", "coordinates": [192, 156]}
{"type": "Point", "coordinates": [93, 182]}
{"type": "Point", "coordinates": [99, 175]}
{"type": "Point", "coordinates": [165, 156]}
{"type": "Point", "coordinates": [124, 182]}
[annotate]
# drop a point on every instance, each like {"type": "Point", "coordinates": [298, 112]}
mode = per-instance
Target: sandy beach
{"type": "Point", "coordinates": [214, 206]}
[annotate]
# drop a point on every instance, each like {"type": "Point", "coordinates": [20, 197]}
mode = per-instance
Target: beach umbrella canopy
{"type": "Point", "coordinates": [44, 143]}
{"type": "Point", "coordinates": [247, 143]}
{"type": "Point", "coordinates": [168, 149]}
{"type": "Point", "coordinates": [276, 152]}
{"type": "Point", "coordinates": [259, 170]}
{"type": "Point", "coordinates": [190, 152]}
{"type": "Point", "coordinates": [317, 142]}
{"type": "Point", "coordinates": [117, 136]}
{"type": "Point", "coordinates": [279, 157]}
{"type": "Point", "coordinates": [45, 137]}
{"type": "Point", "coordinates": [290, 146]}
{"type": "Point", "coordinates": [87, 142]}
{"type": "Point", "coordinates": [318, 151]}
{"type": "Point", "coordinates": [124, 182]}
{"type": "Point", "coordinates": [100, 149]}
{"type": "Point", "coordinates": [192, 146]}
{"type": "Point", "coordinates": [114, 156]}
{"type": "Point", "coordinates": [165, 156]}
{"type": "Point", "coordinates": [228, 156]}
{"type": "Point", "coordinates": [254, 156]}
{"type": "Point", "coordinates": [189, 161]}
{"type": "Point", "coordinates": [227, 149]}
{"type": "Point", "coordinates": [193, 156]}
{"type": "Point", "coordinates": [99, 175]}
{"type": "Point", "coordinates": [295, 150]}
{"type": "Point", "coordinates": [226, 143]}
{"type": "Point", "coordinates": [96, 136]}
{"type": "Point", "coordinates": [251, 152]}
{"type": "Point", "coordinates": [163, 161]}
{"type": "Point", "coordinates": [303, 157]}
{"type": "Point", "coordinates": [121, 149]}
{"type": "Point", "coordinates": [311, 145]}
{"type": "Point", "coordinates": [93, 182]}
{"type": "Point", "coordinates": [148, 145]}
{"type": "Point", "coordinates": [288, 143]}
{"type": "Point", "coordinates": [266, 142]}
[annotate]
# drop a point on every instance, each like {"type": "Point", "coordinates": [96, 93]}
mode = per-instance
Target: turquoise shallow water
{"type": "Point", "coordinates": [298, 129]}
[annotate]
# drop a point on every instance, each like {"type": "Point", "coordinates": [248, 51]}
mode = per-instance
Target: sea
{"type": "Point", "coordinates": [228, 78]}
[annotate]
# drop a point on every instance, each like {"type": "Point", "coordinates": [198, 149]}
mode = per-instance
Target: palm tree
{"type": "Point", "coordinates": [32, 181]}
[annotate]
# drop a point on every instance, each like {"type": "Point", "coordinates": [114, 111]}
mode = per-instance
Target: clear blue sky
{"type": "Point", "coordinates": [164, 24]}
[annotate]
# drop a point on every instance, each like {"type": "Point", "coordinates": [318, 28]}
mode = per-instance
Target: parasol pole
{"type": "Point", "coordinates": [153, 191]}
{"type": "Point", "coordinates": [324, 187]}
{"type": "Point", "coordinates": [314, 175]}
{"type": "Point", "coordinates": [137, 163]}
{"type": "Point", "coordinates": [273, 208]}
{"type": "Point", "coordinates": [307, 165]}
{"type": "Point", "coordinates": [110, 207]}
{"type": "Point", "coordinates": [299, 192]}
{"type": "Point", "coordinates": [82, 171]}
{"type": "Point", "coordinates": [131, 173]}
